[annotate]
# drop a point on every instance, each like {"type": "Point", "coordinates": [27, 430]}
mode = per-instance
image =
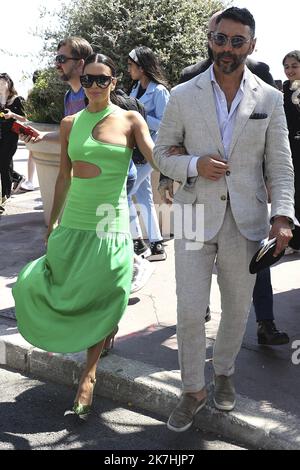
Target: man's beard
{"type": "Point", "coordinates": [65, 77]}
{"type": "Point", "coordinates": [237, 60]}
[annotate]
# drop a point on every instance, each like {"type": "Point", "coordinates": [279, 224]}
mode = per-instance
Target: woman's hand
{"type": "Point", "coordinates": [8, 114]}
{"type": "Point", "coordinates": [34, 140]}
{"type": "Point", "coordinates": [48, 233]}
{"type": "Point", "coordinates": [176, 150]}
{"type": "Point", "coordinates": [165, 189]}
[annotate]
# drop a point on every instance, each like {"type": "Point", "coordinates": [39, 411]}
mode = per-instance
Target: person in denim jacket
{"type": "Point", "coordinates": [151, 89]}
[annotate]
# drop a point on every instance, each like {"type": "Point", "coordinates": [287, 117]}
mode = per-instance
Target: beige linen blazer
{"type": "Point", "coordinates": [260, 134]}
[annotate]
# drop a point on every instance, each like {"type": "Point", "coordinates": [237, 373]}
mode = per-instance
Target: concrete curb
{"type": "Point", "coordinates": [255, 424]}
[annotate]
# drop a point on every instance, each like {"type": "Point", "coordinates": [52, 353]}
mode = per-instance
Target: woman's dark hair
{"type": "Point", "coordinates": [240, 15]}
{"type": "Point", "coordinates": [148, 61]}
{"type": "Point", "coordinates": [12, 92]}
{"type": "Point", "coordinates": [292, 55]}
{"type": "Point", "coordinates": [100, 59]}
{"type": "Point", "coordinates": [104, 59]}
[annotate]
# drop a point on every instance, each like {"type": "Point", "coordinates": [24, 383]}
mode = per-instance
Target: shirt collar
{"type": "Point", "coordinates": [214, 81]}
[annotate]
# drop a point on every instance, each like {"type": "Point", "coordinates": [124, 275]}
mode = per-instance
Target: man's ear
{"type": "Point", "coordinates": [252, 47]}
{"type": "Point", "coordinates": [80, 65]}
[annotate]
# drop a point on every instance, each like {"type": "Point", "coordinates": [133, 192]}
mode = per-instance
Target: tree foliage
{"type": "Point", "coordinates": [174, 29]}
{"type": "Point", "coordinates": [45, 102]}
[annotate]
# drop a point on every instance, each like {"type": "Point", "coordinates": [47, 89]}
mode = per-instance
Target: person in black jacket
{"type": "Point", "coordinates": [267, 332]}
{"type": "Point", "coordinates": [291, 63]}
{"type": "Point", "coordinates": [12, 109]}
{"type": "Point", "coordinates": [260, 69]}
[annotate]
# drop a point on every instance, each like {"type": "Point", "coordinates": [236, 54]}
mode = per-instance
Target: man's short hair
{"type": "Point", "coordinates": [80, 47]}
{"type": "Point", "coordinates": [240, 15]}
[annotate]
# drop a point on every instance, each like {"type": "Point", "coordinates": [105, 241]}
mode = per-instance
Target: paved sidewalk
{"type": "Point", "coordinates": [143, 367]}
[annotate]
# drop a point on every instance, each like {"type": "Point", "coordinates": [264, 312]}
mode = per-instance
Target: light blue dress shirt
{"type": "Point", "coordinates": [226, 119]}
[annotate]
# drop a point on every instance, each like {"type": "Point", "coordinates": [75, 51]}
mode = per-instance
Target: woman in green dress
{"type": "Point", "coordinates": [72, 298]}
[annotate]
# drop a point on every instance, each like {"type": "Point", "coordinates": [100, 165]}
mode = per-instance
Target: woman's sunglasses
{"type": "Point", "coordinates": [102, 81]}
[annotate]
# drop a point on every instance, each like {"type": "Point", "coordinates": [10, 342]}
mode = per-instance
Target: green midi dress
{"type": "Point", "coordinates": [75, 295]}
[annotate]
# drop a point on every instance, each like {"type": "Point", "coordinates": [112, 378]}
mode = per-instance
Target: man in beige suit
{"type": "Point", "coordinates": [229, 122]}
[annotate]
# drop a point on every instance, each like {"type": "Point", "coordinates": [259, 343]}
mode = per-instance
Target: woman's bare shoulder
{"type": "Point", "coordinates": [68, 119]}
{"type": "Point", "coordinates": [134, 116]}
{"type": "Point", "coordinates": [67, 122]}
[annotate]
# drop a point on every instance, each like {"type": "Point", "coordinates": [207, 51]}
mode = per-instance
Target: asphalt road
{"type": "Point", "coordinates": [32, 418]}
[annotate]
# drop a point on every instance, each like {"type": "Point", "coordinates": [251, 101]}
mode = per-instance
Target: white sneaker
{"type": "Point", "coordinates": [142, 270]}
{"type": "Point", "coordinates": [27, 186]}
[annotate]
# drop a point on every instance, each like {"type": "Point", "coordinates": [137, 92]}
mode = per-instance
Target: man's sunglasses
{"type": "Point", "coordinates": [62, 59]}
{"type": "Point", "coordinates": [236, 41]}
{"type": "Point", "coordinates": [102, 81]}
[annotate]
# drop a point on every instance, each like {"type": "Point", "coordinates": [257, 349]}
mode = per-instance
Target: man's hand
{"type": "Point", "coordinates": [212, 167]}
{"type": "Point", "coordinates": [165, 188]}
{"type": "Point", "coordinates": [281, 230]}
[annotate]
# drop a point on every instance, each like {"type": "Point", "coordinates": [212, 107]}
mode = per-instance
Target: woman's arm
{"type": "Point", "coordinates": [160, 99]}
{"type": "Point", "coordinates": [142, 137]}
{"type": "Point", "coordinates": [18, 112]}
{"type": "Point", "coordinates": [11, 115]}
{"type": "Point", "coordinates": [64, 176]}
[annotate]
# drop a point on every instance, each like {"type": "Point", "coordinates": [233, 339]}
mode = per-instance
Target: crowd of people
{"type": "Point", "coordinates": [232, 141]}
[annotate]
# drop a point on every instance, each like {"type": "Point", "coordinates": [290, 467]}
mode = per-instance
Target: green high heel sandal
{"type": "Point", "coordinates": [83, 411]}
{"type": "Point", "coordinates": [109, 342]}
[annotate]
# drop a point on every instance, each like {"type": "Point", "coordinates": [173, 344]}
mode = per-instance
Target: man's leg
{"type": "Point", "coordinates": [263, 296]}
{"type": "Point", "coordinates": [267, 332]}
{"type": "Point", "coordinates": [193, 281]}
{"type": "Point", "coordinates": [236, 287]}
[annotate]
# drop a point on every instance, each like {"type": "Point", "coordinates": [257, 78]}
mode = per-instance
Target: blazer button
{"type": "Point", "coordinates": [223, 198]}
{"type": "Point", "coordinates": [227, 173]}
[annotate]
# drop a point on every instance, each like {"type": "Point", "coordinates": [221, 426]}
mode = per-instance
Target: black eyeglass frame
{"type": "Point", "coordinates": [100, 80]}
{"type": "Point", "coordinates": [236, 41]}
{"type": "Point", "coordinates": [62, 58]}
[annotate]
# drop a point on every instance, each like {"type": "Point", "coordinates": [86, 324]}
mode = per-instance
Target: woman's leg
{"type": "Point", "coordinates": [7, 151]}
{"type": "Point", "coordinates": [30, 168]}
{"type": "Point", "coordinates": [28, 184]}
{"type": "Point", "coordinates": [142, 173]}
{"type": "Point", "coordinates": [85, 389]}
{"type": "Point", "coordinates": [144, 196]}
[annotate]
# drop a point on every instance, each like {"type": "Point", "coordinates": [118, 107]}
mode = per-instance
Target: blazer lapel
{"type": "Point", "coordinates": [207, 106]}
{"type": "Point", "coordinates": [245, 109]}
